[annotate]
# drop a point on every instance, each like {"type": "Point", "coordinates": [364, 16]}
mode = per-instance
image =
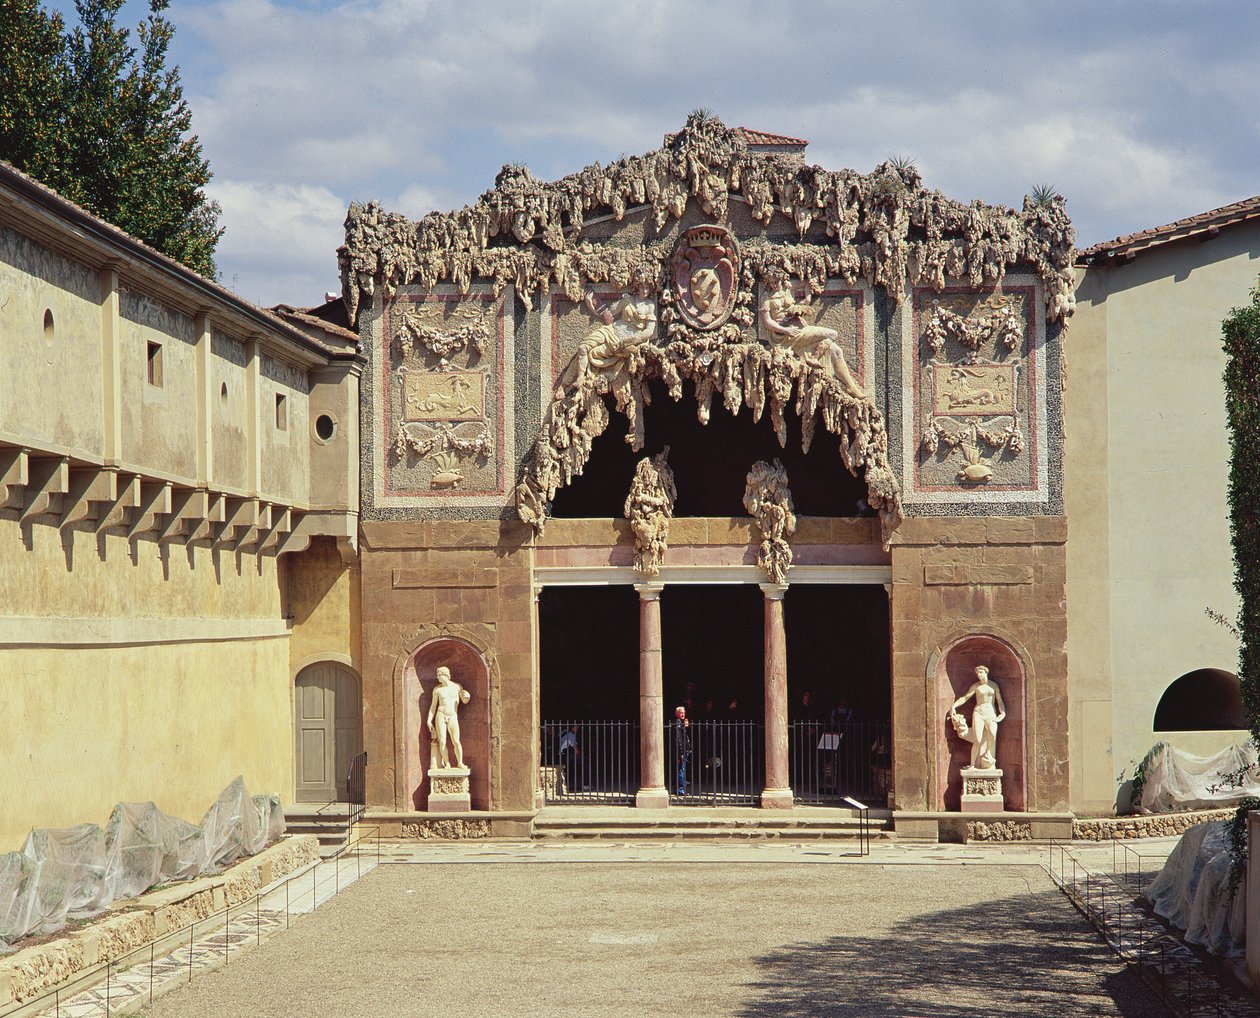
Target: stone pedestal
{"type": "Point", "coordinates": [982, 790]}
{"type": "Point", "coordinates": [652, 793]}
{"type": "Point", "coordinates": [777, 793]}
{"type": "Point", "coordinates": [448, 790]}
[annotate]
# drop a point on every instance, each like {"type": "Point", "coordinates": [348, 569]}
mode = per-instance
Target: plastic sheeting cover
{"type": "Point", "coordinates": [1177, 780]}
{"type": "Point", "coordinates": [76, 872]}
{"type": "Point", "coordinates": [1193, 892]}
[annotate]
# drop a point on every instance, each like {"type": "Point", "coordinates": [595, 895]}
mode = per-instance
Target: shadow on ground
{"type": "Point", "coordinates": [1026, 955]}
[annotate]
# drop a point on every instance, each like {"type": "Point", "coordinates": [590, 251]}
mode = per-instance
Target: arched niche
{"type": "Point", "coordinates": [955, 672]}
{"type": "Point", "coordinates": [1204, 700]}
{"type": "Point", "coordinates": [468, 668]}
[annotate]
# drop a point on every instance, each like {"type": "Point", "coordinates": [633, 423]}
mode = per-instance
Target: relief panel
{"type": "Point", "coordinates": [974, 393]}
{"type": "Point", "coordinates": [443, 398]}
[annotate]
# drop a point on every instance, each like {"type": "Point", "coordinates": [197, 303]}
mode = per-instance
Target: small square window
{"type": "Point", "coordinates": [155, 364]}
{"type": "Point", "coordinates": [282, 414]}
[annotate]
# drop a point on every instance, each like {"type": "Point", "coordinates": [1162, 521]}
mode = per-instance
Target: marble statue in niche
{"type": "Point", "coordinates": [443, 720]}
{"type": "Point", "coordinates": [987, 714]}
{"type": "Point", "coordinates": [783, 316]}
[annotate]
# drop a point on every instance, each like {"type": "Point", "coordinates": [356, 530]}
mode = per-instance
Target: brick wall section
{"type": "Point", "coordinates": [1000, 577]}
{"type": "Point", "coordinates": [468, 580]}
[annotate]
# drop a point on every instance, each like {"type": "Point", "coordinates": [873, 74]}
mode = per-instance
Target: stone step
{"type": "Point", "coordinates": [692, 833]}
{"type": "Point", "coordinates": [711, 823]}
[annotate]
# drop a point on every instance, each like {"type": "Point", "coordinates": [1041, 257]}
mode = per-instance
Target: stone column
{"type": "Point", "coordinates": [652, 793]}
{"type": "Point", "coordinates": [778, 793]}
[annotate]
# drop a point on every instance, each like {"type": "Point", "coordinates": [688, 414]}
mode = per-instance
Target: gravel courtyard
{"type": "Point", "coordinates": [679, 939]}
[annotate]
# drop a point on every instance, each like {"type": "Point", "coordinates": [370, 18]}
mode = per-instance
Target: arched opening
{"type": "Point", "coordinates": [710, 463]}
{"type": "Point", "coordinates": [328, 719]}
{"type": "Point", "coordinates": [1204, 700]}
{"type": "Point", "coordinates": [955, 674]}
{"type": "Point", "coordinates": [468, 669]}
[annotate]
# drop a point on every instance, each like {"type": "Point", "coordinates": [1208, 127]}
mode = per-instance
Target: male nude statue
{"type": "Point", "coordinates": [444, 719]}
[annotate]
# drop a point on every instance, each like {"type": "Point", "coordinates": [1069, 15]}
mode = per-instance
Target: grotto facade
{"type": "Point", "coordinates": [718, 428]}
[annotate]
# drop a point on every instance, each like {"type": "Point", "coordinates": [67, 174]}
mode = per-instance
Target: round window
{"type": "Point", "coordinates": [325, 427]}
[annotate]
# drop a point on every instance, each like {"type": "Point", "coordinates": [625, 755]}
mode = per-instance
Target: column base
{"type": "Point", "coordinates": [777, 798]}
{"type": "Point", "coordinates": [651, 798]}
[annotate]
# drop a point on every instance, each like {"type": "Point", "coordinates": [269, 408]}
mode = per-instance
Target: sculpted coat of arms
{"type": "Point", "coordinates": [705, 271]}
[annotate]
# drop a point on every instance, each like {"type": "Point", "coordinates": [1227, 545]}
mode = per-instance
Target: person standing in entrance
{"type": "Point", "coordinates": [682, 746]}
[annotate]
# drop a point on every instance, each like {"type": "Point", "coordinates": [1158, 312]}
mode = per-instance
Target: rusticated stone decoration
{"type": "Point", "coordinates": [649, 508]}
{"type": "Point", "coordinates": [447, 830]}
{"type": "Point", "coordinates": [769, 500]}
{"type": "Point", "coordinates": [998, 830]}
{"type": "Point", "coordinates": [883, 226]}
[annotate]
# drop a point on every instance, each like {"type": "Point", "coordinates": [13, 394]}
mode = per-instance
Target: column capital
{"type": "Point", "coordinates": [650, 591]}
{"type": "Point", "coordinates": [888, 589]}
{"type": "Point", "coordinates": [773, 591]}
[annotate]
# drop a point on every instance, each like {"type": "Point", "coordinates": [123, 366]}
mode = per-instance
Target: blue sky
{"type": "Point", "coordinates": [1138, 112]}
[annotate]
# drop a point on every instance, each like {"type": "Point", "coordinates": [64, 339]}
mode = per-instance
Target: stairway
{"type": "Point", "coordinates": [326, 822]}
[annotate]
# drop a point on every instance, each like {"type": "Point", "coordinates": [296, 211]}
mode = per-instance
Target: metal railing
{"type": "Point", "coordinates": [1108, 900]}
{"type": "Point", "coordinates": [828, 762]}
{"type": "Point", "coordinates": [721, 761]}
{"type": "Point", "coordinates": [590, 761]}
{"type": "Point", "coordinates": [356, 790]}
{"type": "Point", "coordinates": [118, 984]}
{"type": "Point", "coordinates": [715, 762]}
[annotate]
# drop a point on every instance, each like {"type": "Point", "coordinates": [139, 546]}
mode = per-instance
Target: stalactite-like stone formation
{"type": "Point", "coordinates": [883, 227]}
{"type": "Point", "coordinates": [649, 508]}
{"type": "Point", "coordinates": [743, 375]}
{"type": "Point", "coordinates": [769, 501]}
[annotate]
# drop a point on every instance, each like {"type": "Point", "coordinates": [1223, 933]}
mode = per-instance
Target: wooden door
{"type": "Point", "coordinates": [329, 731]}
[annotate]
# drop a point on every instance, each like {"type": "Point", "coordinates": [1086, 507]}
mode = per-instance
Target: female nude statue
{"type": "Point", "coordinates": [782, 315]}
{"type": "Point", "coordinates": [625, 326]}
{"type": "Point", "coordinates": [988, 713]}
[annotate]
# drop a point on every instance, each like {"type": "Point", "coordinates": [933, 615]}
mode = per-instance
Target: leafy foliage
{"type": "Point", "coordinates": [1241, 329]}
{"type": "Point", "coordinates": [105, 123]}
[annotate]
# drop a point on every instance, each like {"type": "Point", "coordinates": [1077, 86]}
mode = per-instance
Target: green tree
{"type": "Point", "coordinates": [32, 87]}
{"type": "Point", "coordinates": [1241, 329]}
{"type": "Point", "coordinates": [105, 123]}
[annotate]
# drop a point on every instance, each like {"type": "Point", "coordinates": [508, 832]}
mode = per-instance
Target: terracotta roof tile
{"type": "Point", "coordinates": [766, 138]}
{"type": "Point", "coordinates": [1192, 226]}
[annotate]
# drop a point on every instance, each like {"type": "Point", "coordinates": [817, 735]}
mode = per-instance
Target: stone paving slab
{"type": "Point", "coordinates": [971, 933]}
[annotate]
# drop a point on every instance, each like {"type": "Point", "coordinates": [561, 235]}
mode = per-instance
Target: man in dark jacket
{"type": "Point", "coordinates": [682, 747]}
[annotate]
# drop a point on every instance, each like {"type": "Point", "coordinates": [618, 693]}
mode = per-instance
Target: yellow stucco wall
{"type": "Point", "coordinates": [1146, 475]}
{"type": "Point", "coordinates": [35, 362]}
{"type": "Point", "coordinates": [323, 598]}
{"type": "Point", "coordinates": [134, 674]}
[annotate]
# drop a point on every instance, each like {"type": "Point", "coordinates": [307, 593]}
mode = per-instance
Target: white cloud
{"type": "Point", "coordinates": [1136, 117]}
{"type": "Point", "coordinates": [280, 240]}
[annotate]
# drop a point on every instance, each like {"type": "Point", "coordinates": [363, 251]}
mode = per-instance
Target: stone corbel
{"type": "Point", "coordinates": [13, 476]}
{"type": "Point", "coordinates": [47, 480]}
{"type": "Point", "coordinates": [281, 524]}
{"type": "Point", "coordinates": [155, 501]}
{"type": "Point", "coordinates": [186, 504]}
{"type": "Point", "coordinates": [126, 498]}
{"type": "Point", "coordinates": [240, 512]}
{"type": "Point", "coordinates": [203, 529]}
{"type": "Point", "coordinates": [259, 522]}
{"type": "Point", "coordinates": [89, 487]}
{"type": "Point", "coordinates": [349, 549]}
